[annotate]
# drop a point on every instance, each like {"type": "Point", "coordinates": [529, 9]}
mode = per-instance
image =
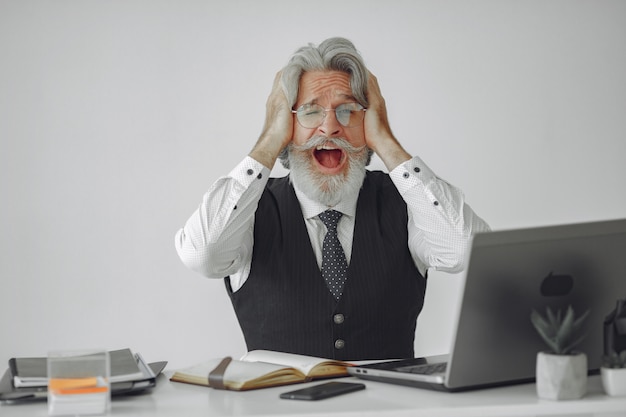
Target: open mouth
{"type": "Point", "coordinates": [328, 157]}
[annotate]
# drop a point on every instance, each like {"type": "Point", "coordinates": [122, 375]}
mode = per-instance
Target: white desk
{"type": "Point", "coordinates": [171, 399]}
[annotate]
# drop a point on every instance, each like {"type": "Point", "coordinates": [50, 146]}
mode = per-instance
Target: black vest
{"type": "Point", "coordinates": [285, 306]}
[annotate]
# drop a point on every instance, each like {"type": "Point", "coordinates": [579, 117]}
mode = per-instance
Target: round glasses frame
{"type": "Point", "coordinates": [311, 116]}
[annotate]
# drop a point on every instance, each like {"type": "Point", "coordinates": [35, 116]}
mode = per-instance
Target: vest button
{"type": "Point", "coordinates": [338, 318]}
{"type": "Point", "coordinates": [340, 344]}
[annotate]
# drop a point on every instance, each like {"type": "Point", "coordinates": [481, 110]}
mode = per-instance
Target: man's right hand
{"type": "Point", "coordinates": [378, 134]}
{"type": "Point", "coordinates": [278, 129]}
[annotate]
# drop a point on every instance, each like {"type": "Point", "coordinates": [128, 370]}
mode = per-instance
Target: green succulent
{"type": "Point", "coordinates": [614, 360]}
{"type": "Point", "coordinates": [562, 333]}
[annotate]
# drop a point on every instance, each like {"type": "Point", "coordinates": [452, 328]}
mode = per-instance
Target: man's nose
{"type": "Point", "coordinates": [330, 125]}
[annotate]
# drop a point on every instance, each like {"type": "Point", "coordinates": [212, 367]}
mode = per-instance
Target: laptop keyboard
{"type": "Point", "coordinates": [424, 369]}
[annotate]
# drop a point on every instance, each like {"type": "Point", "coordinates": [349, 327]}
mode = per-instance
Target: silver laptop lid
{"type": "Point", "coordinates": [512, 272]}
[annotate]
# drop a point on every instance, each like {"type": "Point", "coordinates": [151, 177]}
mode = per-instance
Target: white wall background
{"type": "Point", "coordinates": [116, 116]}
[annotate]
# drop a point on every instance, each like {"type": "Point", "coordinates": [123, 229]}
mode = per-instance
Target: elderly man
{"type": "Point", "coordinates": [330, 260]}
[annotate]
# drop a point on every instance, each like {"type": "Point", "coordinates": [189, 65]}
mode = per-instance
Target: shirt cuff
{"type": "Point", "coordinates": [418, 184]}
{"type": "Point", "coordinates": [250, 172]}
{"type": "Point", "coordinates": [412, 173]}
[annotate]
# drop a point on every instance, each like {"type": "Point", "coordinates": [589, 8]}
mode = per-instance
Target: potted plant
{"type": "Point", "coordinates": [613, 373]}
{"type": "Point", "coordinates": [561, 372]}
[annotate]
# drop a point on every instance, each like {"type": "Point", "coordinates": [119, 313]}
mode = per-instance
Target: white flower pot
{"type": "Point", "coordinates": [561, 377]}
{"type": "Point", "coordinates": [614, 381]}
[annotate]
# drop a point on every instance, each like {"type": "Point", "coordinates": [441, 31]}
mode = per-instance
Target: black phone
{"type": "Point", "coordinates": [321, 391]}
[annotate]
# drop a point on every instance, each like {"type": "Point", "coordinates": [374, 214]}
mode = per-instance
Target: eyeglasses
{"type": "Point", "coordinates": [311, 116]}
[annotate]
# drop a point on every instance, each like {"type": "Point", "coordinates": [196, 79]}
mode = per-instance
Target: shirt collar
{"type": "Point", "coordinates": [311, 208]}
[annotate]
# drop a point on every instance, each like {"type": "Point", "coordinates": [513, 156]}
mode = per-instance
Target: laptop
{"type": "Point", "coordinates": [509, 273]}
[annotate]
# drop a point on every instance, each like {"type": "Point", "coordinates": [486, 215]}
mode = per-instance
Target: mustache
{"type": "Point", "coordinates": [318, 140]}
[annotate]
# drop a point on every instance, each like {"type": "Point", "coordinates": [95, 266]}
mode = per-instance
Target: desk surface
{"type": "Point", "coordinates": [172, 399]}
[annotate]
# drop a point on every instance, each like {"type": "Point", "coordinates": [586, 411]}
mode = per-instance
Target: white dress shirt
{"type": "Point", "coordinates": [217, 240]}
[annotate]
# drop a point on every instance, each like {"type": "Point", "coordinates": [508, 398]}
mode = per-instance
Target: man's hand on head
{"type": "Point", "coordinates": [278, 129]}
{"type": "Point", "coordinates": [378, 135]}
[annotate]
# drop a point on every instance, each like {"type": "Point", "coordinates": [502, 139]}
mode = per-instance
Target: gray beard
{"type": "Point", "coordinates": [323, 188]}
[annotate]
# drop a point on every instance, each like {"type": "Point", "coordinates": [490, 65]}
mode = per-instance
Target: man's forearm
{"type": "Point", "coordinates": [391, 152]}
{"type": "Point", "coordinates": [266, 151]}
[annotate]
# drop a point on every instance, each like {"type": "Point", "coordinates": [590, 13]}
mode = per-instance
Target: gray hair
{"type": "Point", "coordinates": [334, 54]}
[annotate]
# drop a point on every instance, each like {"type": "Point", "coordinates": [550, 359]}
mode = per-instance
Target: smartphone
{"type": "Point", "coordinates": [321, 391]}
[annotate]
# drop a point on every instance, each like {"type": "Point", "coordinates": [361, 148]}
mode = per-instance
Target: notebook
{"type": "Point", "coordinates": [509, 273]}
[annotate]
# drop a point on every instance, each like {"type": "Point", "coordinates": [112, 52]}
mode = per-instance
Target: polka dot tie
{"type": "Point", "coordinates": [334, 265]}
